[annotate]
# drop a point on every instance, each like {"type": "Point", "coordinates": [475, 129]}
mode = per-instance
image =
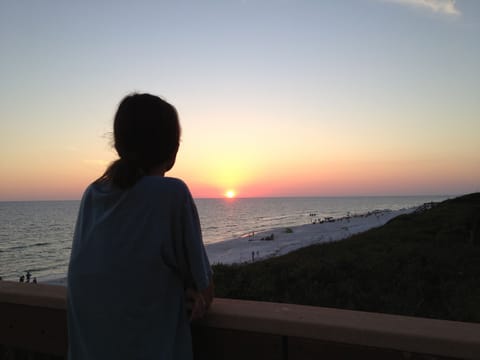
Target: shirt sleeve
{"type": "Point", "coordinates": [196, 267]}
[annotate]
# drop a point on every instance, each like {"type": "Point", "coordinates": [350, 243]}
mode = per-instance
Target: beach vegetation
{"type": "Point", "coordinates": [421, 264]}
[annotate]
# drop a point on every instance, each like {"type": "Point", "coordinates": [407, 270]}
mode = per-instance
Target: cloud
{"type": "Point", "coordinates": [447, 7]}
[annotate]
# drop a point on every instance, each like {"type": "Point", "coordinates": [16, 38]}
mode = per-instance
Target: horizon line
{"type": "Point", "coordinates": [269, 197]}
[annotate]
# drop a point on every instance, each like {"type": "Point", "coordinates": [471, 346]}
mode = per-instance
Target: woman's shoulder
{"type": "Point", "coordinates": [164, 184]}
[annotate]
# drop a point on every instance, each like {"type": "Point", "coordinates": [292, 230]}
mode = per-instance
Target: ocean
{"type": "Point", "coordinates": [36, 236]}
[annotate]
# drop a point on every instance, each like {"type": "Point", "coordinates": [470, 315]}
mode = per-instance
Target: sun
{"type": "Point", "coordinates": [230, 194]}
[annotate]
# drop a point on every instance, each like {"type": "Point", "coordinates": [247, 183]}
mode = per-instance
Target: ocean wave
{"type": "Point", "coordinates": [41, 244]}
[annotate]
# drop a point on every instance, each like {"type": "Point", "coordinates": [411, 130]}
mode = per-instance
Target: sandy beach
{"type": "Point", "coordinates": [280, 241]}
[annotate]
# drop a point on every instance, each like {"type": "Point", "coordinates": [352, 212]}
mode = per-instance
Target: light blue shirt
{"type": "Point", "coordinates": [134, 252]}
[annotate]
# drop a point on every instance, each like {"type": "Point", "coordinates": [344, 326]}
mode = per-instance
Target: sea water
{"type": "Point", "coordinates": [36, 236]}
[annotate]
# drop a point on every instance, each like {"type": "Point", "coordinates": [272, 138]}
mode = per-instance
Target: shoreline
{"type": "Point", "coordinates": [282, 240]}
{"type": "Point", "coordinates": [279, 241]}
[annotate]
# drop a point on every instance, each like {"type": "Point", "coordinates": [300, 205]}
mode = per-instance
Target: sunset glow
{"type": "Point", "coordinates": [230, 194]}
{"type": "Point", "coordinates": [275, 98]}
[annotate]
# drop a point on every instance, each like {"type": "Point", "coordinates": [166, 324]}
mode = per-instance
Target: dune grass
{"type": "Point", "coordinates": [422, 264]}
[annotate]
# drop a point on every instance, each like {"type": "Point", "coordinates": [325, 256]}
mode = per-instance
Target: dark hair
{"type": "Point", "coordinates": [146, 134]}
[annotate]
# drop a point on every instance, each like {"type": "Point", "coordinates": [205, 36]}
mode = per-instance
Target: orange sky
{"type": "Point", "coordinates": [310, 98]}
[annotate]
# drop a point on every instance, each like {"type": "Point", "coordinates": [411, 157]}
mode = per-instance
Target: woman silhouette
{"type": "Point", "coordinates": [137, 251]}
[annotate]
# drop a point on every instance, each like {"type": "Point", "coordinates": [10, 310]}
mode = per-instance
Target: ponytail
{"type": "Point", "coordinates": [122, 173]}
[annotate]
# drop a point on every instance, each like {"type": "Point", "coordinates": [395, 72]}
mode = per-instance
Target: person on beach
{"type": "Point", "coordinates": [137, 251]}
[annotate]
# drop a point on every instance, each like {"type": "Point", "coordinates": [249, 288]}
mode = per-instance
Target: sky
{"type": "Point", "coordinates": [275, 97]}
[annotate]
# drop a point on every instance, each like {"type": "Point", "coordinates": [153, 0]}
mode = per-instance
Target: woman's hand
{"type": "Point", "coordinates": [198, 302]}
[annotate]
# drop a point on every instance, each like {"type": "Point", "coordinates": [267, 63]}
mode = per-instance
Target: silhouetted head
{"type": "Point", "coordinates": [146, 134]}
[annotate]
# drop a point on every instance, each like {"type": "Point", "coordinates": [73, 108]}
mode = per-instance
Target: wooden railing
{"type": "Point", "coordinates": [33, 321]}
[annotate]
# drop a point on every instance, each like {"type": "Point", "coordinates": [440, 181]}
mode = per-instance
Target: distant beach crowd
{"type": "Point", "coordinates": [27, 277]}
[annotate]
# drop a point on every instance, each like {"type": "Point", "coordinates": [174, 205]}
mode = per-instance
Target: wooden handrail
{"type": "Point", "coordinates": [411, 334]}
{"type": "Point", "coordinates": [21, 303]}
